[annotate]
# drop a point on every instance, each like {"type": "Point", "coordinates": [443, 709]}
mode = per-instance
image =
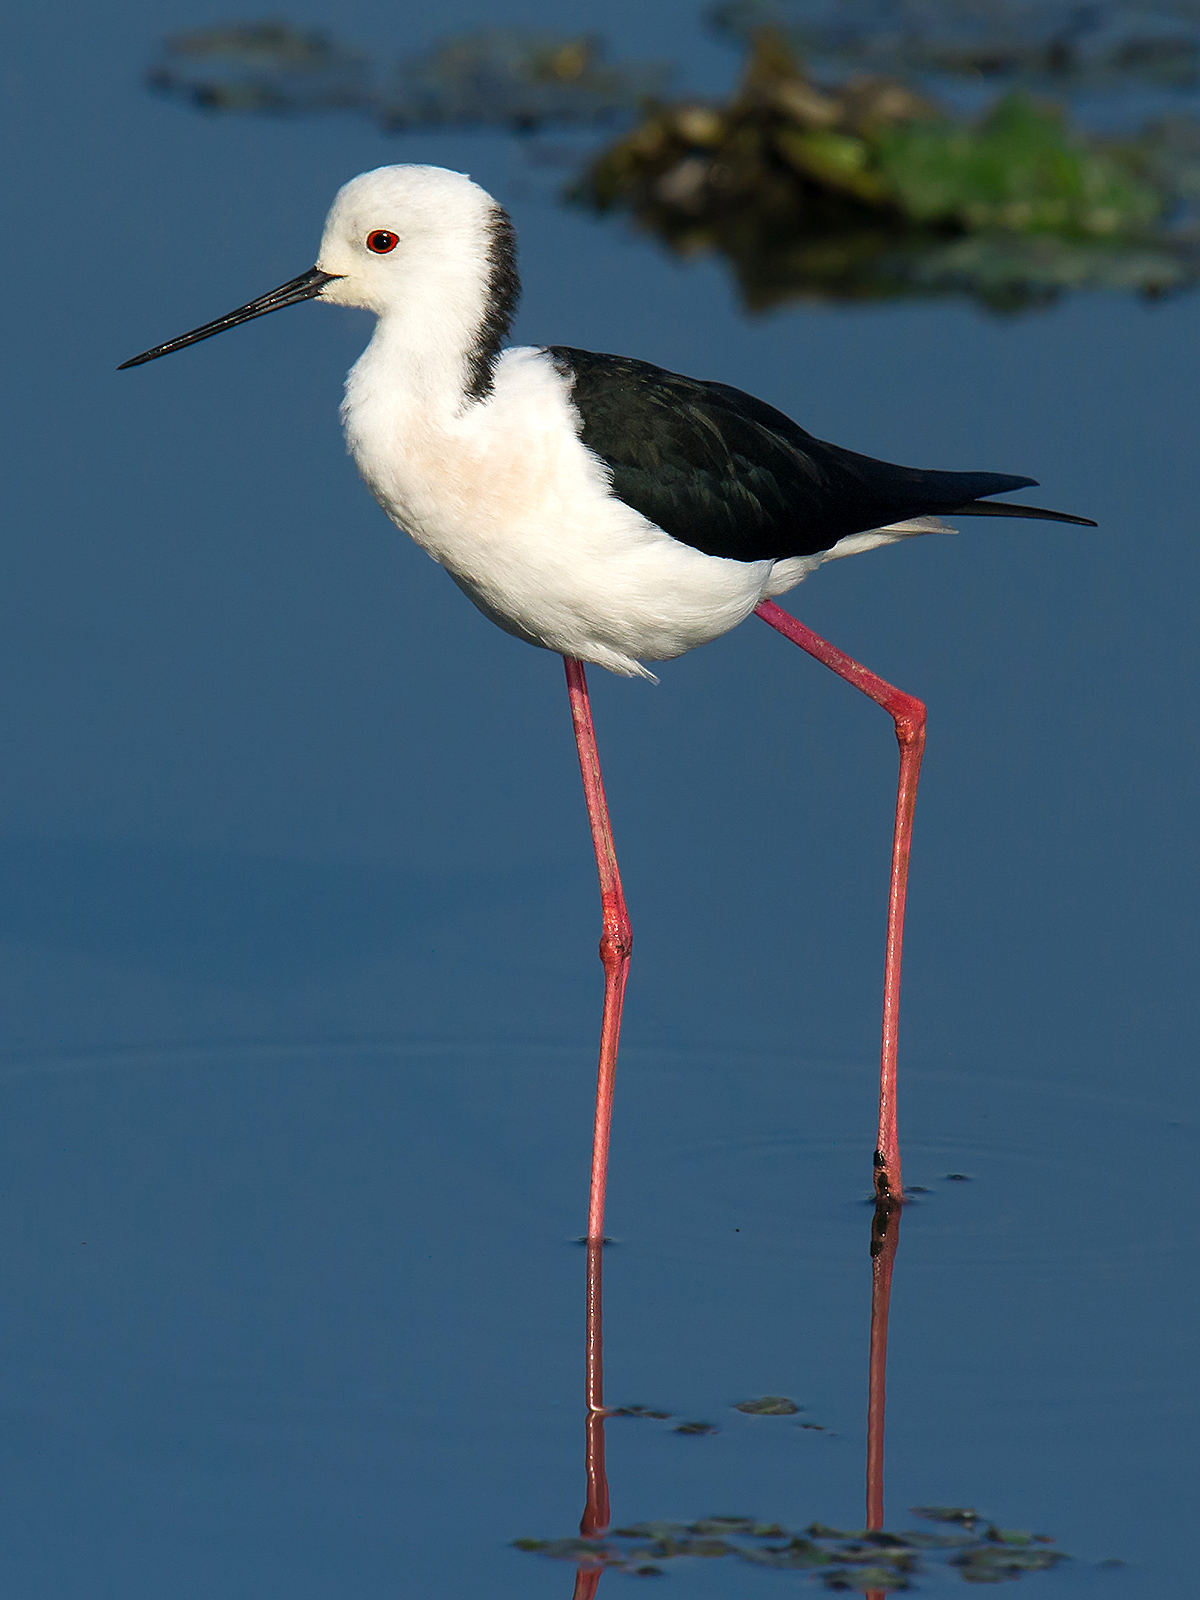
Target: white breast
{"type": "Point", "coordinates": [504, 495]}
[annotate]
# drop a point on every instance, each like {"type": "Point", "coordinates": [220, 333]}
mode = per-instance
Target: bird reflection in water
{"type": "Point", "coordinates": [594, 1522]}
{"type": "Point", "coordinates": [885, 1238]}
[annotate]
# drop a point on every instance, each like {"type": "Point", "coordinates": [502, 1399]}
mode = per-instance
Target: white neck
{"type": "Point", "coordinates": [420, 353]}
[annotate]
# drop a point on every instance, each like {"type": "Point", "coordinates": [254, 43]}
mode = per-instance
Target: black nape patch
{"type": "Point", "coordinates": [504, 290]}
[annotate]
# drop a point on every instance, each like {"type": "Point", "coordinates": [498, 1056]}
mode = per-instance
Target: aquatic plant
{"type": "Point", "coordinates": [875, 1561]}
{"type": "Point", "coordinates": [1052, 43]}
{"type": "Point", "coordinates": [262, 67]}
{"type": "Point", "coordinates": [868, 190]}
{"type": "Point", "coordinates": [515, 78]}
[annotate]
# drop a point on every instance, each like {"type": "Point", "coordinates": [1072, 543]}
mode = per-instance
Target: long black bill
{"type": "Point", "coordinates": [305, 287]}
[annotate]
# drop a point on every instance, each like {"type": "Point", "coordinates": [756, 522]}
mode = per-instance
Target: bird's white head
{"type": "Point", "coordinates": [428, 251]}
{"type": "Point", "coordinates": [432, 253]}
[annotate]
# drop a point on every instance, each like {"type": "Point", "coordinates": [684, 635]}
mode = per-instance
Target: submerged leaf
{"type": "Point", "coordinates": [1108, 44]}
{"type": "Point", "coordinates": [870, 1562]}
{"type": "Point", "coordinates": [873, 1580]}
{"type": "Point", "coordinates": [997, 1565]}
{"type": "Point", "coordinates": [516, 78]}
{"type": "Point", "coordinates": [585, 1552]}
{"type": "Point", "coordinates": [652, 1530]}
{"type": "Point", "coordinates": [799, 1553]}
{"type": "Point", "coordinates": [939, 1541]}
{"type": "Point", "coordinates": [966, 1515]}
{"type": "Point", "coordinates": [261, 66]}
{"type": "Point", "coordinates": [771, 1405]}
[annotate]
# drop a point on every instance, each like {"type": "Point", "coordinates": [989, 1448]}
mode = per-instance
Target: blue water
{"type": "Point", "coordinates": [298, 988]}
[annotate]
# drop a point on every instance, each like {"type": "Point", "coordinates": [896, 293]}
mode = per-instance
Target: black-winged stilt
{"type": "Point", "coordinates": [599, 506]}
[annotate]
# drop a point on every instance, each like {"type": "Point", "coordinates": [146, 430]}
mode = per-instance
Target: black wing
{"type": "Point", "coordinates": [731, 476]}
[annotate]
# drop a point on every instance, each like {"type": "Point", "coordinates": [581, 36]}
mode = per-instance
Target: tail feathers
{"type": "Point", "coordinates": [1004, 508]}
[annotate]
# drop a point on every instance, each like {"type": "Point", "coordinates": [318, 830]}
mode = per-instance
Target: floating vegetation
{"type": "Point", "coordinates": [770, 1405]}
{"type": "Point", "coordinates": [841, 1560]}
{"type": "Point", "coordinates": [640, 1411]}
{"type": "Point", "coordinates": [869, 191]}
{"type": "Point", "coordinates": [515, 78]}
{"type": "Point", "coordinates": [1058, 44]}
{"type": "Point", "coordinates": [261, 67]}
{"type": "Point", "coordinates": [696, 1429]}
{"type": "Point", "coordinates": [965, 1516]}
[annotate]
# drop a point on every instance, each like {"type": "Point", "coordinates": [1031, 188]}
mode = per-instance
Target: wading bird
{"type": "Point", "coordinates": [599, 506]}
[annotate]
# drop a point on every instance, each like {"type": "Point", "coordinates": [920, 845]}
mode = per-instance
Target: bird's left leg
{"type": "Point", "coordinates": [616, 942]}
{"type": "Point", "coordinates": [909, 716]}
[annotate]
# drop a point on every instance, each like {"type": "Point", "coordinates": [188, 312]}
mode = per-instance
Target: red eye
{"type": "Point", "coordinates": [381, 241]}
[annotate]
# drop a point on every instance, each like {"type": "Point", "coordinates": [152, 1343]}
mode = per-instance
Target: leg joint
{"type": "Point", "coordinates": [910, 718]}
{"type": "Point", "coordinates": [616, 943]}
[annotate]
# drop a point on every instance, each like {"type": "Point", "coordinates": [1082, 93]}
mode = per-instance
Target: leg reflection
{"type": "Point", "coordinates": [594, 1522]}
{"type": "Point", "coordinates": [587, 1581]}
{"type": "Point", "coordinates": [885, 1237]}
{"type": "Point", "coordinates": [595, 1513]}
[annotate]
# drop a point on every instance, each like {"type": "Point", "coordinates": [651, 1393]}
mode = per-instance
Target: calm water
{"type": "Point", "coordinates": [298, 989]}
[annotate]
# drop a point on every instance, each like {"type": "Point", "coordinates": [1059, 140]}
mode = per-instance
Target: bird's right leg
{"type": "Point", "coordinates": [908, 714]}
{"type": "Point", "coordinates": [616, 942]}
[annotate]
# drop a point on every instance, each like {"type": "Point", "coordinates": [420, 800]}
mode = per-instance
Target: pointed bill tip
{"type": "Point", "coordinates": [306, 287]}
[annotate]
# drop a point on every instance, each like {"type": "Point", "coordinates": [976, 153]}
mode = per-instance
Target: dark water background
{"type": "Point", "coordinates": [298, 988]}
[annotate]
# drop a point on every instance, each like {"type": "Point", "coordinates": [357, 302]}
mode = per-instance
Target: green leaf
{"type": "Point", "coordinates": [770, 1405]}
{"type": "Point", "coordinates": [966, 1515]}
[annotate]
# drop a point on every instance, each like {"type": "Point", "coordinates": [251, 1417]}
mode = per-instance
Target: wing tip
{"type": "Point", "coordinates": [1005, 508]}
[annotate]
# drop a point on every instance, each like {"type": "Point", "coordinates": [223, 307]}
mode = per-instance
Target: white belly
{"type": "Point", "coordinates": [505, 496]}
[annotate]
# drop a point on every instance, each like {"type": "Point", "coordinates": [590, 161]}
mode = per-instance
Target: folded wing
{"type": "Point", "coordinates": [731, 476]}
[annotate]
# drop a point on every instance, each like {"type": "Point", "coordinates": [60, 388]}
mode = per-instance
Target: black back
{"type": "Point", "coordinates": [731, 476]}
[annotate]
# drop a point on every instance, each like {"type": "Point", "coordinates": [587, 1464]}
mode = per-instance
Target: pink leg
{"type": "Point", "coordinates": [909, 717]}
{"type": "Point", "coordinates": [616, 941]}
